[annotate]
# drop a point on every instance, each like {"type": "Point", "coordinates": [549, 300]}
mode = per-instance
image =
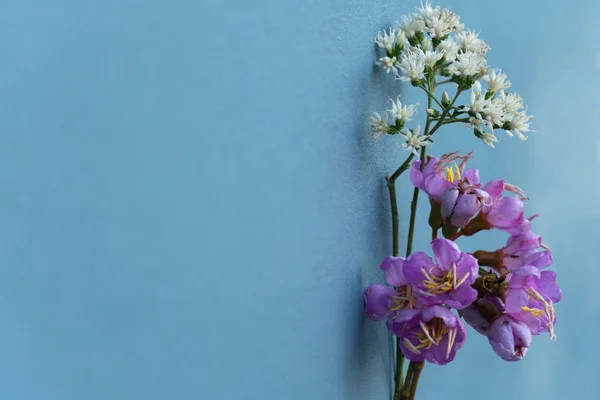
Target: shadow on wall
{"type": "Point", "coordinates": [370, 362]}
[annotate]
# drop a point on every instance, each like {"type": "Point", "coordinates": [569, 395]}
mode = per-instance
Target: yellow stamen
{"type": "Point", "coordinates": [457, 171]}
{"type": "Point", "coordinates": [435, 284]}
{"type": "Point", "coordinates": [449, 174]}
{"type": "Point", "coordinates": [536, 313]}
{"type": "Point", "coordinates": [432, 334]}
{"type": "Point", "coordinates": [403, 299]}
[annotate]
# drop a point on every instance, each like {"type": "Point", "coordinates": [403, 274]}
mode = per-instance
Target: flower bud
{"type": "Point", "coordinates": [445, 99]}
{"type": "Point", "coordinates": [400, 38]}
{"type": "Point", "coordinates": [458, 209]}
{"type": "Point", "coordinates": [432, 112]}
{"type": "Point", "coordinates": [425, 45]}
{"type": "Point", "coordinates": [509, 338]}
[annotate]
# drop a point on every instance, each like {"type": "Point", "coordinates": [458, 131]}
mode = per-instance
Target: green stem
{"type": "Point", "coordinates": [431, 96]}
{"type": "Point", "coordinates": [394, 205]}
{"type": "Point", "coordinates": [399, 365]}
{"type": "Point", "coordinates": [413, 210]}
{"type": "Point", "coordinates": [453, 120]}
{"type": "Point", "coordinates": [415, 379]}
{"type": "Point", "coordinates": [402, 168]}
{"type": "Point", "coordinates": [391, 184]}
{"type": "Point", "coordinates": [445, 113]}
{"type": "Point", "coordinates": [405, 393]}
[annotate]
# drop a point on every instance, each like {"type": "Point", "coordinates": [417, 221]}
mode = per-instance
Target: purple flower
{"type": "Point", "coordinates": [534, 316]}
{"type": "Point", "coordinates": [448, 280]}
{"type": "Point", "coordinates": [509, 338]}
{"type": "Point", "coordinates": [529, 286]}
{"type": "Point", "coordinates": [521, 250]}
{"type": "Point", "coordinates": [433, 334]}
{"type": "Point", "coordinates": [378, 300]}
{"type": "Point", "coordinates": [505, 213]}
{"type": "Point", "coordinates": [438, 176]}
{"type": "Point", "coordinates": [460, 204]}
{"type": "Point", "coordinates": [381, 301]}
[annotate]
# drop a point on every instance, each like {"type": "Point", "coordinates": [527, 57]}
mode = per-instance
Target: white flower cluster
{"type": "Point", "coordinates": [495, 109]}
{"type": "Point", "coordinates": [400, 114]}
{"type": "Point", "coordinates": [432, 43]}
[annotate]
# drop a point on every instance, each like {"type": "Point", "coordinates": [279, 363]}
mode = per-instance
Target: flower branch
{"type": "Point", "coordinates": [508, 294]}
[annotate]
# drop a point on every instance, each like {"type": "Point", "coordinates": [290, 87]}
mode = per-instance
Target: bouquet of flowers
{"type": "Point", "coordinates": [507, 294]}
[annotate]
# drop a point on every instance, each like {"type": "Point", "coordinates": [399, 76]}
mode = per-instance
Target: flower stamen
{"type": "Point", "coordinates": [408, 344]}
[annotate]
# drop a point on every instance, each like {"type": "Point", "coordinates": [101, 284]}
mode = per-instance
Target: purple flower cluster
{"type": "Point", "coordinates": [507, 294]}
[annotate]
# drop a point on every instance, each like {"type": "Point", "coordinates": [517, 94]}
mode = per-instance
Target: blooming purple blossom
{"type": "Point", "coordinates": [461, 203]}
{"type": "Point", "coordinates": [505, 213]}
{"type": "Point", "coordinates": [521, 250]}
{"type": "Point", "coordinates": [382, 301]}
{"type": "Point", "coordinates": [433, 334]}
{"type": "Point", "coordinates": [509, 338]}
{"type": "Point", "coordinates": [439, 175]}
{"type": "Point", "coordinates": [528, 284]}
{"type": "Point", "coordinates": [535, 317]}
{"type": "Point", "coordinates": [448, 280]}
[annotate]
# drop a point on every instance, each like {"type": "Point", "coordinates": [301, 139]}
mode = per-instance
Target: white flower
{"type": "Point", "coordinates": [402, 112]}
{"type": "Point", "coordinates": [519, 123]}
{"type": "Point", "coordinates": [389, 64]}
{"type": "Point", "coordinates": [484, 111]}
{"type": "Point", "coordinates": [494, 114]}
{"type": "Point", "coordinates": [386, 40]}
{"type": "Point", "coordinates": [379, 125]}
{"type": "Point", "coordinates": [438, 22]}
{"type": "Point", "coordinates": [478, 103]}
{"type": "Point", "coordinates": [511, 103]}
{"type": "Point", "coordinates": [427, 12]}
{"type": "Point", "coordinates": [412, 64]}
{"type": "Point", "coordinates": [432, 57]}
{"type": "Point", "coordinates": [414, 140]}
{"type": "Point", "coordinates": [496, 80]}
{"type": "Point", "coordinates": [400, 37]}
{"type": "Point", "coordinates": [470, 41]}
{"type": "Point", "coordinates": [450, 49]}
{"type": "Point", "coordinates": [488, 139]}
{"type": "Point", "coordinates": [411, 25]}
{"type": "Point", "coordinates": [467, 64]}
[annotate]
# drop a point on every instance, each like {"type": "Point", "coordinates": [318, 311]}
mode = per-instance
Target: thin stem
{"type": "Point", "coordinates": [431, 96]}
{"type": "Point", "coordinates": [413, 211]}
{"type": "Point", "coordinates": [399, 365]}
{"type": "Point", "coordinates": [395, 222]}
{"type": "Point", "coordinates": [403, 395]}
{"type": "Point", "coordinates": [442, 82]}
{"type": "Point", "coordinates": [391, 184]}
{"type": "Point", "coordinates": [446, 111]}
{"type": "Point", "coordinates": [401, 169]}
{"type": "Point", "coordinates": [415, 379]}
{"type": "Point", "coordinates": [453, 120]}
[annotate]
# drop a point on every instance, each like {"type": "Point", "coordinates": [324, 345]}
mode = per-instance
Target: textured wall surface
{"type": "Point", "coordinates": [191, 206]}
{"type": "Point", "coordinates": [190, 200]}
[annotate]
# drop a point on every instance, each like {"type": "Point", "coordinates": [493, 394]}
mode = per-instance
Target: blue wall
{"type": "Point", "coordinates": [191, 206]}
